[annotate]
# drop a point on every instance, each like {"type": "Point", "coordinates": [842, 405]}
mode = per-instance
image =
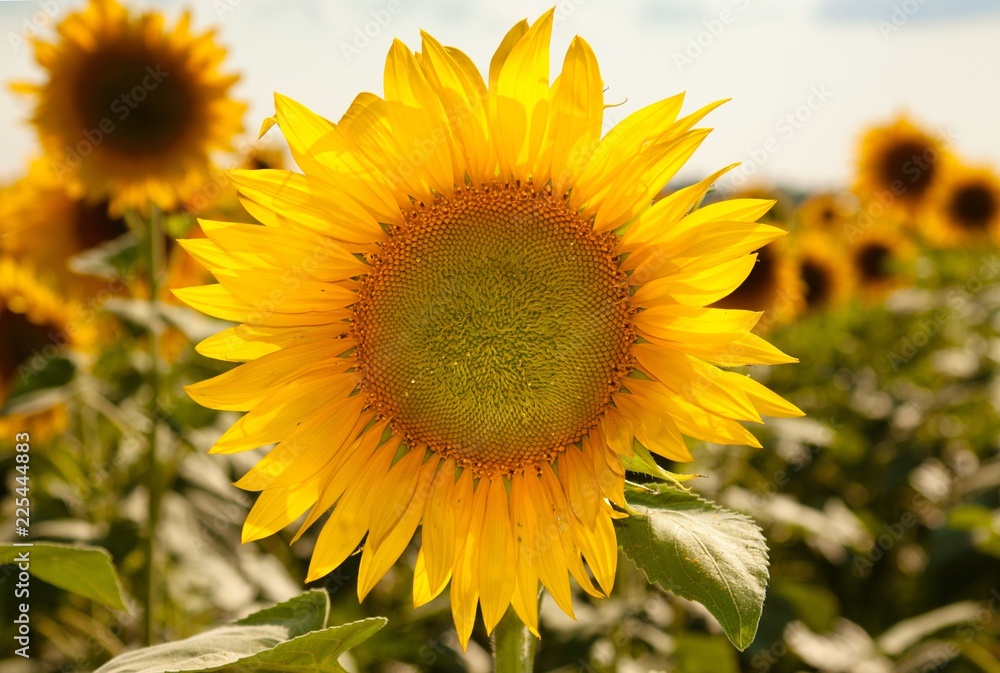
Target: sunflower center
{"type": "Point", "coordinates": [19, 340]}
{"type": "Point", "coordinates": [817, 284]}
{"type": "Point", "coordinates": [494, 327]}
{"type": "Point", "coordinates": [912, 164]}
{"type": "Point", "coordinates": [972, 207]}
{"type": "Point", "coordinates": [873, 262]}
{"type": "Point", "coordinates": [137, 102]}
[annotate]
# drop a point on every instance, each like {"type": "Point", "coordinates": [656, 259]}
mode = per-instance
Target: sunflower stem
{"type": "Point", "coordinates": [153, 484]}
{"type": "Point", "coordinates": [513, 646]}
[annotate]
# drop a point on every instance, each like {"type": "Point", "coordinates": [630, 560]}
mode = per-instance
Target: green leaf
{"type": "Point", "coordinates": [302, 614]}
{"type": "Point", "coordinates": [87, 571]}
{"type": "Point", "coordinates": [700, 551]}
{"type": "Point", "coordinates": [110, 260]}
{"type": "Point", "coordinates": [286, 638]}
{"type": "Point", "coordinates": [982, 522]}
{"type": "Point", "coordinates": [316, 651]}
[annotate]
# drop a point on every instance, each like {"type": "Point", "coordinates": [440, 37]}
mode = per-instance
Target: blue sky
{"type": "Point", "coordinates": [805, 76]}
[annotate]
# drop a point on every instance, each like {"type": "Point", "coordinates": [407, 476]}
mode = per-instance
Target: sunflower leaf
{"type": "Point", "coordinates": [286, 638]}
{"type": "Point", "coordinates": [86, 571]}
{"type": "Point", "coordinates": [701, 552]}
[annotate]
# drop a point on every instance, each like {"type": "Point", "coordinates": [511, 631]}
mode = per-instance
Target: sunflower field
{"type": "Point", "coordinates": [476, 374]}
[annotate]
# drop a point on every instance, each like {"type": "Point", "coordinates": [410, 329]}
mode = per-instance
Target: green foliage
{"type": "Point", "coordinates": [288, 638]}
{"type": "Point", "coordinates": [701, 552]}
{"type": "Point", "coordinates": [87, 571]}
{"type": "Point", "coordinates": [700, 653]}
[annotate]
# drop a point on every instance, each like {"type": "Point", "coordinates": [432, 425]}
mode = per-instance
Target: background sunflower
{"type": "Point", "coordinates": [39, 330]}
{"type": "Point", "coordinates": [130, 109]}
{"type": "Point", "coordinates": [965, 208]}
{"type": "Point", "coordinates": [898, 167]}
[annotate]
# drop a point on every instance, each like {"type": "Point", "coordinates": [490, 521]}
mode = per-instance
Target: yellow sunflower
{"type": "Point", "coordinates": [40, 223]}
{"type": "Point", "coordinates": [35, 325]}
{"type": "Point", "coordinates": [824, 271]}
{"type": "Point", "coordinates": [131, 108]}
{"type": "Point", "coordinates": [831, 212]}
{"type": "Point", "coordinates": [966, 208]}
{"type": "Point", "coordinates": [463, 312]}
{"type": "Point", "coordinates": [772, 287]}
{"type": "Point", "coordinates": [898, 167]}
{"type": "Point", "coordinates": [879, 260]}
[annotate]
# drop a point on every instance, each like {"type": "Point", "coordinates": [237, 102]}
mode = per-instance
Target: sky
{"type": "Point", "coordinates": [806, 77]}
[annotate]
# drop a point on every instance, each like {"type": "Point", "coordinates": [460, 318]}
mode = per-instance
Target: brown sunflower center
{"type": "Point", "coordinates": [494, 327]}
{"type": "Point", "coordinates": [20, 338]}
{"type": "Point", "coordinates": [911, 164]}
{"type": "Point", "coordinates": [873, 262]}
{"type": "Point", "coordinates": [973, 206]}
{"type": "Point", "coordinates": [134, 101]}
{"type": "Point", "coordinates": [818, 283]}
{"type": "Point", "coordinates": [757, 293]}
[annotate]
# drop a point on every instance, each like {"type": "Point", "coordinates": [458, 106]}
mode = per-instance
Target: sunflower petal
{"type": "Point", "coordinates": [346, 526]}
{"type": "Point", "coordinates": [497, 555]}
{"type": "Point", "coordinates": [520, 102]}
{"type": "Point", "coordinates": [390, 534]}
{"type": "Point", "coordinates": [575, 116]}
{"type": "Point", "coordinates": [418, 120]}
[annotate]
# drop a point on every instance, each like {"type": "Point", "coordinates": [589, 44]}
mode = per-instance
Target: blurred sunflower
{"type": "Point", "coordinates": [131, 109]}
{"type": "Point", "coordinates": [36, 325]}
{"type": "Point", "coordinates": [42, 224]}
{"type": "Point", "coordinates": [898, 167]}
{"type": "Point", "coordinates": [966, 207]}
{"type": "Point", "coordinates": [772, 287]}
{"type": "Point", "coordinates": [824, 272]}
{"type": "Point", "coordinates": [879, 257]}
{"type": "Point", "coordinates": [440, 329]}
{"type": "Point", "coordinates": [831, 212]}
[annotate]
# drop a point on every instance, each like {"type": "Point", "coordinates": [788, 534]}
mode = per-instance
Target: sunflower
{"type": "Point", "coordinates": [41, 223]}
{"type": "Point", "coordinates": [879, 258]}
{"type": "Point", "coordinates": [36, 325]}
{"type": "Point", "coordinates": [825, 275]}
{"type": "Point", "coordinates": [131, 109]}
{"type": "Point", "coordinates": [898, 167]}
{"type": "Point", "coordinates": [772, 287]}
{"type": "Point", "coordinates": [966, 207]}
{"type": "Point", "coordinates": [465, 311]}
{"type": "Point", "coordinates": [831, 212]}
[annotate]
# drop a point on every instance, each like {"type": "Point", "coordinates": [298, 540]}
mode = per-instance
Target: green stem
{"type": "Point", "coordinates": [153, 484]}
{"type": "Point", "coordinates": [513, 646]}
